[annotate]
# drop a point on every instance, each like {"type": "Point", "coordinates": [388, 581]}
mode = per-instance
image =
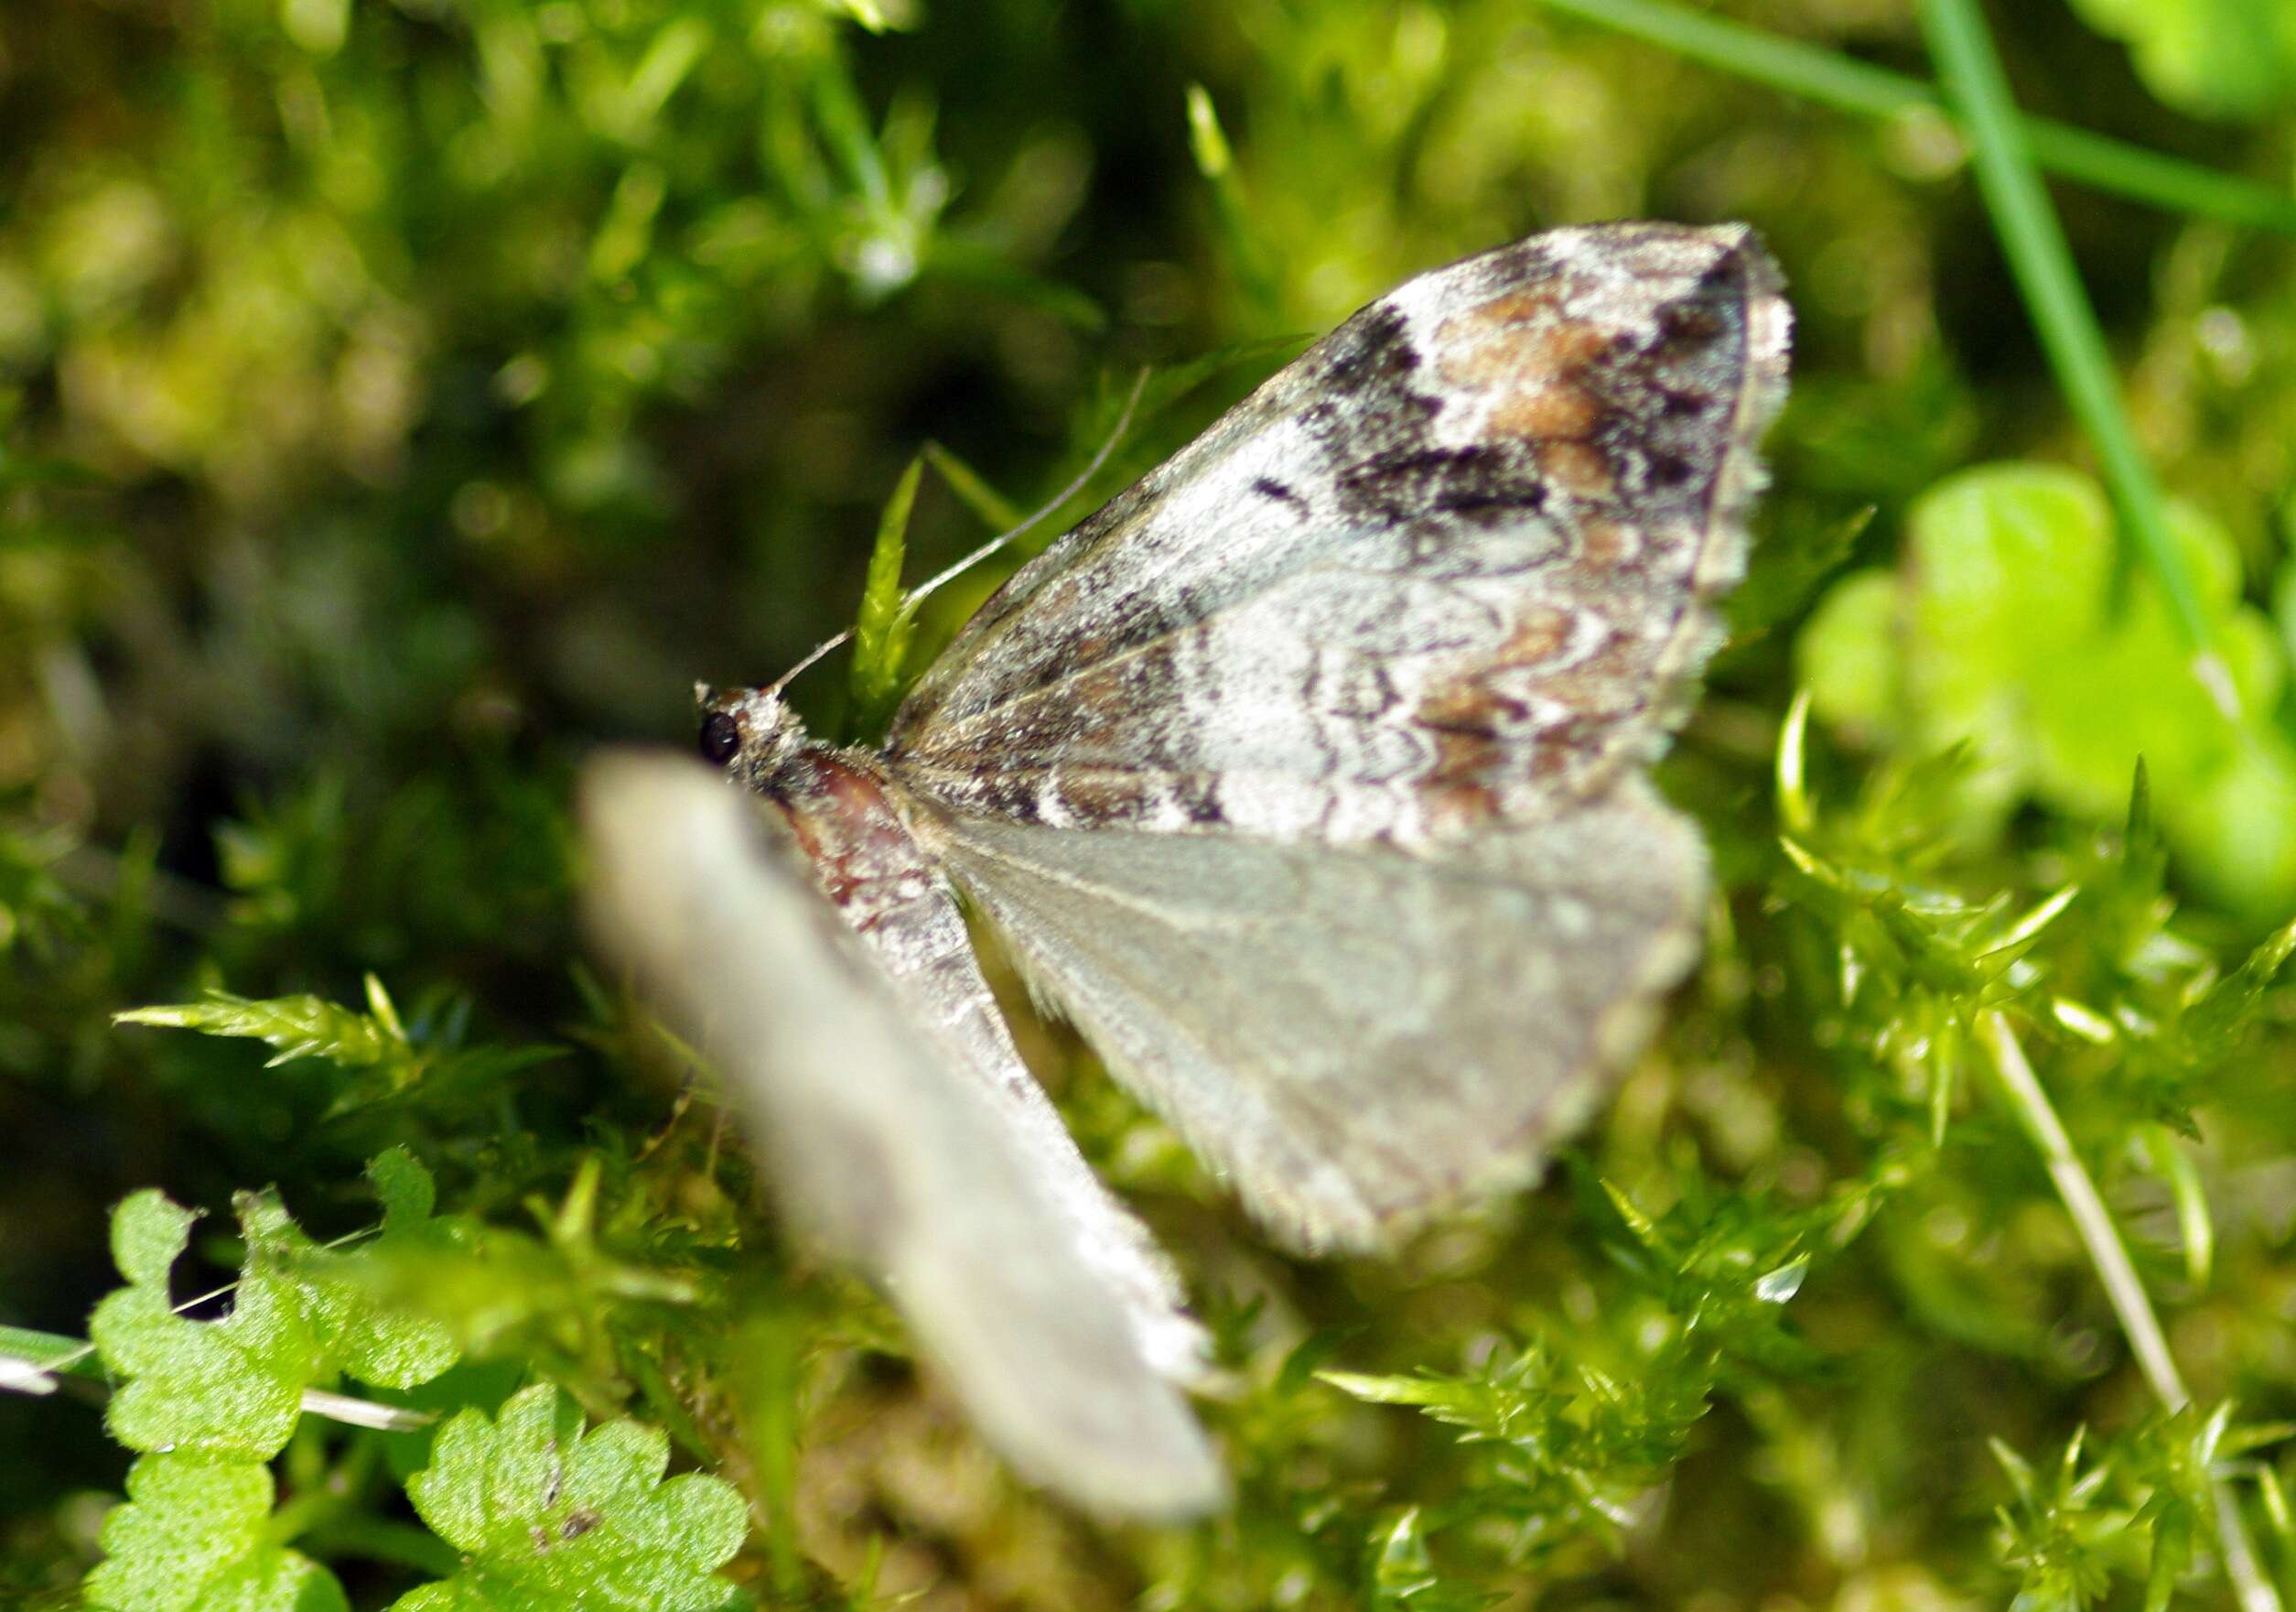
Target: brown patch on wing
{"type": "Point", "coordinates": [1580, 469]}
{"type": "Point", "coordinates": [1606, 545]}
{"type": "Point", "coordinates": [1534, 361]}
{"type": "Point", "coordinates": [1481, 740]}
{"type": "Point", "coordinates": [1687, 324]}
{"type": "Point", "coordinates": [1526, 305]}
{"type": "Point", "coordinates": [1460, 791]}
{"type": "Point", "coordinates": [1562, 412]}
{"type": "Point", "coordinates": [1464, 707]}
{"type": "Point", "coordinates": [1609, 683]}
{"type": "Point", "coordinates": [1101, 796]}
{"type": "Point", "coordinates": [1538, 372]}
{"type": "Point", "coordinates": [1541, 633]}
{"type": "Point", "coordinates": [1595, 690]}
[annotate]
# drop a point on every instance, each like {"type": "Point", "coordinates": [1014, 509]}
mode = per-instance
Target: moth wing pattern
{"type": "Point", "coordinates": [1452, 567]}
{"type": "Point", "coordinates": [1365, 1035]}
{"type": "Point", "coordinates": [870, 1145]}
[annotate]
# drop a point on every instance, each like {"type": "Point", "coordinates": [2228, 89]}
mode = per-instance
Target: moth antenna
{"type": "Point", "coordinates": [773, 689]}
{"type": "Point", "coordinates": [1124, 424]}
{"type": "Point", "coordinates": [1083, 477]}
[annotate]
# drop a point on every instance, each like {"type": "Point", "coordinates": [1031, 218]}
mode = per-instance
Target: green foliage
{"type": "Point", "coordinates": [1569, 1447]}
{"type": "Point", "coordinates": [1856, 86]}
{"type": "Point", "coordinates": [888, 619]}
{"type": "Point", "coordinates": [297, 1319]}
{"type": "Point", "coordinates": [2006, 628]}
{"type": "Point", "coordinates": [1574, 1449]}
{"type": "Point", "coordinates": [2138, 1509]}
{"type": "Point", "coordinates": [2234, 59]}
{"type": "Point", "coordinates": [384, 1060]}
{"type": "Point", "coordinates": [544, 1513]}
{"type": "Point", "coordinates": [374, 1343]}
{"type": "Point", "coordinates": [36, 913]}
{"type": "Point", "coordinates": [231, 1386]}
{"type": "Point", "coordinates": [194, 1536]}
{"type": "Point", "coordinates": [2040, 257]}
{"type": "Point", "coordinates": [548, 1515]}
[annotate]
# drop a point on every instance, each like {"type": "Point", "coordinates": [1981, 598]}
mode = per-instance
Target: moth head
{"type": "Point", "coordinates": [748, 732]}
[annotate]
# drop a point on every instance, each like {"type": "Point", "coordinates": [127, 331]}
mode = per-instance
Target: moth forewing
{"type": "Point", "coordinates": [1452, 567]}
{"type": "Point", "coordinates": [1388, 645]}
{"type": "Point", "coordinates": [872, 1149]}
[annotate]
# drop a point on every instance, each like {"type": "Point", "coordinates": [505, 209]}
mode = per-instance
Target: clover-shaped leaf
{"type": "Point", "coordinates": [230, 1386]}
{"type": "Point", "coordinates": [2006, 631]}
{"type": "Point", "coordinates": [299, 1316]}
{"type": "Point", "coordinates": [2229, 58]}
{"type": "Point", "coordinates": [194, 1535]}
{"type": "Point", "coordinates": [353, 1330]}
{"type": "Point", "coordinates": [548, 1515]}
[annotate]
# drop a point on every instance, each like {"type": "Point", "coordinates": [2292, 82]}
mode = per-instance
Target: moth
{"type": "Point", "coordinates": [1307, 779]}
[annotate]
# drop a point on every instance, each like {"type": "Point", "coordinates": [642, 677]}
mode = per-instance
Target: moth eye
{"type": "Point", "coordinates": [721, 736]}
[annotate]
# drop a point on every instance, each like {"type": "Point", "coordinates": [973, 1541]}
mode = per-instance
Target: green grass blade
{"type": "Point", "coordinates": [996, 511]}
{"type": "Point", "coordinates": [1826, 77]}
{"type": "Point", "coordinates": [1216, 160]}
{"type": "Point", "coordinates": [880, 635]}
{"type": "Point", "coordinates": [844, 124]}
{"type": "Point", "coordinates": [1847, 84]}
{"type": "Point", "coordinates": [2034, 244]}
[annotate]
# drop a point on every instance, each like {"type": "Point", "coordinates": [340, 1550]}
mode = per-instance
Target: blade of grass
{"type": "Point", "coordinates": [881, 633]}
{"type": "Point", "coordinates": [996, 511]}
{"type": "Point", "coordinates": [844, 125]}
{"type": "Point", "coordinates": [2196, 1229]}
{"type": "Point", "coordinates": [2123, 1287]}
{"type": "Point", "coordinates": [1247, 259]}
{"type": "Point", "coordinates": [1108, 446]}
{"type": "Point", "coordinates": [2034, 244]}
{"type": "Point", "coordinates": [46, 1353]}
{"type": "Point", "coordinates": [1847, 84]}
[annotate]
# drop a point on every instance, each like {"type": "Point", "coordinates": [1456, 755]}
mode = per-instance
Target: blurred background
{"type": "Point", "coordinates": [400, 397]}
